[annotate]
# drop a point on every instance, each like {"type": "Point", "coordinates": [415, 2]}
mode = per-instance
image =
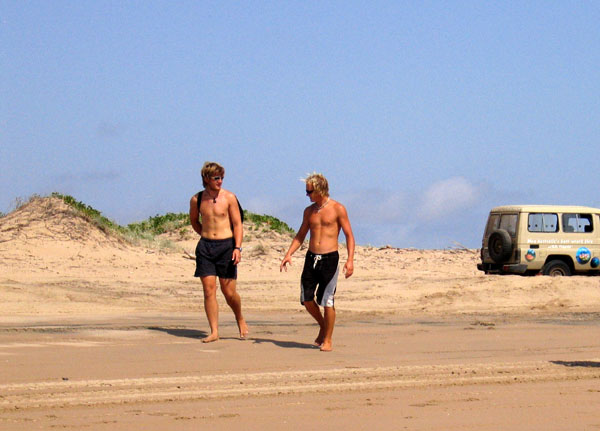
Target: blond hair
{"type": "Point", "coordinates": [319, 183]}
{"type": "Point", "coordinates": [209, 169]}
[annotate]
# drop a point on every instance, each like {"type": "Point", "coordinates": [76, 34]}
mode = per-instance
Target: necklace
{"type": "Point", "coordinates": [213, 198]}
{"type": "Point", "coordinates": [323, 206]}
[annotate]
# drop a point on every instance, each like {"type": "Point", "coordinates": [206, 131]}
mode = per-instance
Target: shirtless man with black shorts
{"type": "Point", "coordinates": [220, 247]}
{"type": "Point", "coordinates": [324, 219]}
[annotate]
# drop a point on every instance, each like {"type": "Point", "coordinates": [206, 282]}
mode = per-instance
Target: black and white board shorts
{"type": "Point", "coordinates": [320, 273]}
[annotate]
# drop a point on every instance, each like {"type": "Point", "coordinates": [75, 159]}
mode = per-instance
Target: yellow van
{"type": "Point", "coordinates": [547, 239]}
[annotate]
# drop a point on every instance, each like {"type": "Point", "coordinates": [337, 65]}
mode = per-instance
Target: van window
{"type": "Point", "coordinates": [493, 223]}
{"type": "Point", "coordinates": [577, 223]}
{"type": "Point", "coordinates": [508, 222]}
{"type": "Point", "coordinates": [542, 222]}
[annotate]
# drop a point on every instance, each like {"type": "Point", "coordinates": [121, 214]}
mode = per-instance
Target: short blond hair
{"type": "Point", "coordinates": [209, 169]}
{"type": "Point", "coordinates": [319, 183]}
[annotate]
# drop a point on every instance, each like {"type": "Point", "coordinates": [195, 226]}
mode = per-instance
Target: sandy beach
{"type": "Point", "coordinates": [99, 334]}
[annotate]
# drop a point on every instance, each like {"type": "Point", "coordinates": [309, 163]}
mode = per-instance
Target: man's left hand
{"type": "Point", "coordinates": [348, 269]}
{"type": "Point", "coordinates": [236, 256]}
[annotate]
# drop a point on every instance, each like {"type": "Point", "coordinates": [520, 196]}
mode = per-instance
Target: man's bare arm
{"type": "Point", "coordinates": [296, 242]}
{"type": "Point", "coordinates": [195, 215]}
{"type": "Point", "coordinates": [238, 229]}
{"type": "Point", "coordinates": [350, 244]}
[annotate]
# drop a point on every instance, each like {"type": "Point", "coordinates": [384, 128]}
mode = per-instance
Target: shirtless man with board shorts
{"type": "Point", "coordinates": [220, 247]}
{"type": "Point", "coordinates": [324, 219]}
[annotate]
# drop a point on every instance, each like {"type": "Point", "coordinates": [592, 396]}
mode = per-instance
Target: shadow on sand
{"type": "Point", "coordinates": [186, 333]}
{"type": "Point", "coordinates": [587, 364]}
{"type": "Point", "coordinates": [198, 335]}
{"type": "Point", "coordinates": [284, 344]}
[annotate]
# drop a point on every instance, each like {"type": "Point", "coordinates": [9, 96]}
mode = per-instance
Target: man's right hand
{"type": "Point", "coordinates": [284, 262]}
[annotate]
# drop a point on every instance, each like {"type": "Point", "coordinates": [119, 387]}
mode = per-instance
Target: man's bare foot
{"type": "Point", "coordinates": [244, 331]}
{"type": "Point", "coordinates": [210, 338]}
{"type": "Point", "coordinates": [326, 346]}
{"type": "Point", "coordinates": [319, 340]}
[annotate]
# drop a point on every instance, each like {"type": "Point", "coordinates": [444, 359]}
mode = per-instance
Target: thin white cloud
{"type": "Point", "coordinates": [375, 206]}
{"type": "Point", "coordinates": [448, 196]}
{"type": "Point", "coordinates": [404, 218]}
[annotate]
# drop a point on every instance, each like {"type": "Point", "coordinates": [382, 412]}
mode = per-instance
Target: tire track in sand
{"type": "Point", "coordinates": [51, 394]}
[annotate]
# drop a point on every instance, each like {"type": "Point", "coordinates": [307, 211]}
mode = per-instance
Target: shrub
{"type": "Point", "coordinates": [90, 213]}
{"type": "Point", "coordinates": [272, 223]}
{"type": "Point", "coordinates": [146, 230]}
{"type": "Point", "coordinates": [161, 223]}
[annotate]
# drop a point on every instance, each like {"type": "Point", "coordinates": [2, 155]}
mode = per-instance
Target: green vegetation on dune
{"type": "Point", "coordinates": [150, 228]}
{"type": "Point", "coordinates": [161, 223]}
{"type": "Point", "coordinates": [90, 213]}
{"type": "Point", "coordinates": [270, 223]}
{"type": "Point", "coordinates": [171, 222]}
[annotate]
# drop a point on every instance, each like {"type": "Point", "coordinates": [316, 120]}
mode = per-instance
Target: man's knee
{"type": "Point", "coordinates": [228, 288]}
{"type": "Point", "coordinates": [209, 286]}
{"type": "Point", "coordinates": [229, 294]}
{"type": "Point", "coordinates": [310, 303]}
{"type": "Point", "coordinates": [210, 292]}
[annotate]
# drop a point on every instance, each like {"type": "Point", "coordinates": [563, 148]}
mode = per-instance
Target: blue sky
{"type": "Point", "coordinates": [421, 114]}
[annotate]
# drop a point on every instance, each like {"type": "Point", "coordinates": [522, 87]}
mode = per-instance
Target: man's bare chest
{"type": "Point", "coordinates": [214, 210]}
{"type": "Point", "coordinates": [318, 221]}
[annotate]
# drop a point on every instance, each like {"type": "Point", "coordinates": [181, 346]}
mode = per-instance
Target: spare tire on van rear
{"type": "Point", "coordinates": [500, 246]}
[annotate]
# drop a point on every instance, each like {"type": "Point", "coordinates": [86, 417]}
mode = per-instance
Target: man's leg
{"type": "Point", "coordinates": [209, 285]}
{"type": "Point", "coordinates": [329, 320]}
{"type": "Point", "coordinates": [314, 310]}
{"type": "Point", "coordinates": [228, 287]}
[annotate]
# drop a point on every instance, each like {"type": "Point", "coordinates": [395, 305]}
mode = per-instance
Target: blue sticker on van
{"type": "Point", "coordinates": [583, 255]}
{"type": "Point", "coordinates": [595, 263]}
{"type": "Point", "coordinates": [530, 256]}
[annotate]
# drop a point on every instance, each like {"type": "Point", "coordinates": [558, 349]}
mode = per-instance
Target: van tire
{"type": "Point", "coordinates": [500, 246]}
{"type": "Point", "coordinates": [556, 268]}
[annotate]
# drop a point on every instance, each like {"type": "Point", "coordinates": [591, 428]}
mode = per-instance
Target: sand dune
{"type": "Point", "coordinates": [99, 333]}
{"type": "Point", "coordinates": [56, 262]}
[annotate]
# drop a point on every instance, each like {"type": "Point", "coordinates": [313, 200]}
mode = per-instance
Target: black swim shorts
{"type": "Point", "coordinates": [320, 270]}
{"type": "Point", "coordinates": [213, 257]}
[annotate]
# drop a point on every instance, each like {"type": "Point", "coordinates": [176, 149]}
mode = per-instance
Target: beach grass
{"type": "Point", "coordinates": [149, 230]}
